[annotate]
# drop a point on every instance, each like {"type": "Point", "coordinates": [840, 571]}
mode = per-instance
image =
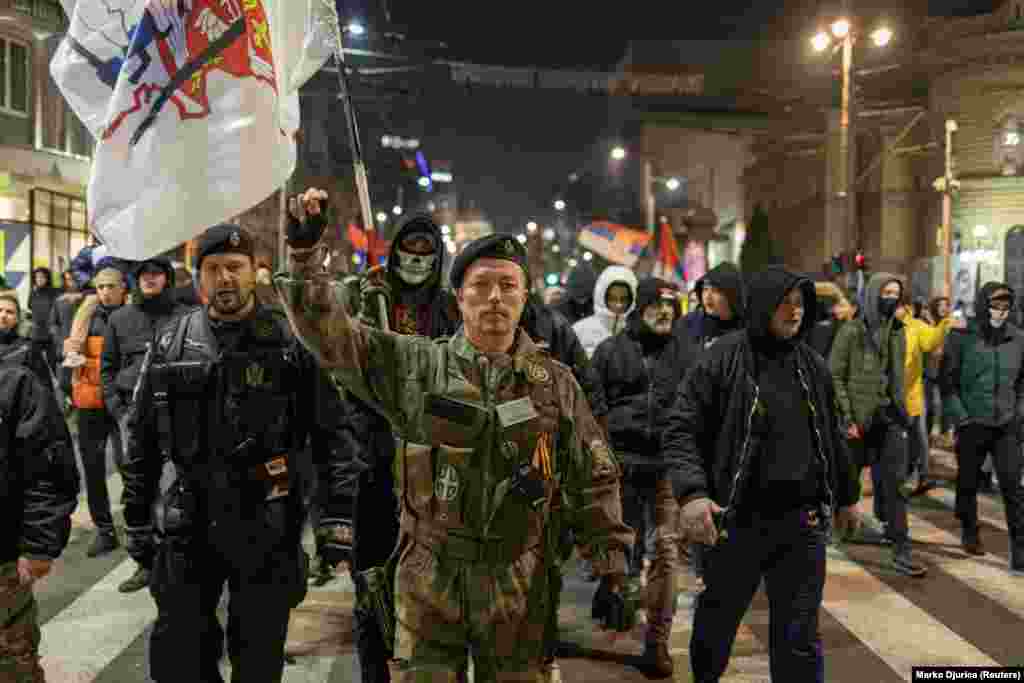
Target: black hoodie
{"type": "Point", "coordinates": [429, 307]}
{"type": "Point", "coordinates": [129, 329]}
{"type": "Point", "coordinates": [40, 303]}
{"type": "Point", "coordinates": [579, 294]}
{"type": "Point", "coordinates": [784, 471]}
{"type": "Point", "coordinates": [727, 278]}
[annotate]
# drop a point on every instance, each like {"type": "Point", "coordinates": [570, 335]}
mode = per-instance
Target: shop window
{"type": "Point", "coordinates": [58, 228]}
{"type": "Point", "coordinates": [15, 59]}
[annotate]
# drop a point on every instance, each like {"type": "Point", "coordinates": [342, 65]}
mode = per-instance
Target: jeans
{"type": "Point", "coordinates": [788, 551]}
{"type": "Point", "coordinates": [974, 444]}
{"type": "Point", "coordinates": [919, 447]}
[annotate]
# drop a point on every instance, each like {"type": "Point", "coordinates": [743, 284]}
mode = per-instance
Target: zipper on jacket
{"type": "Point", "coordinates": [818, 441]}
{"type": "Point", "coordinates": [745, 451]}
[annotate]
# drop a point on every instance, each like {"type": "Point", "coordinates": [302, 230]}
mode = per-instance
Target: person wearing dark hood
{"type": "Point", "coordinates": [579, 294]}
{"type": "Point", "coordinates": [40, 304]}
{"type": "Point", "coordinates": [130, 331]}
{"type": "Point", "coordinates": [637, 372]}
{"type": "Point", "coordinates": [721, 305]}
{"type": "Point", "coordinates": [17, 349]}
{"type": "Point", "coordinates": [982, 377]}
{"type": "Point", "coordinates": [867, 363]}
{"type": "Point", "coordinates": [759, 465]}
{"type": "Point", "coordinates": [417, 303]}
{"type": "Point", "coordinates": [833, 310]}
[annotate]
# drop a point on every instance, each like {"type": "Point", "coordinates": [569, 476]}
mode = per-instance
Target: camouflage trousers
{"type": "Point", "coordinates": [19, 630]}
{"type": "Point", "coordinates": [446, 608]}
{"type": "Point", "coordinates": [662, 576]}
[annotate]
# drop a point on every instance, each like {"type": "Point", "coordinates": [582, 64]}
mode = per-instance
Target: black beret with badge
{"type": "Point", "coordinates": [225, 238]}
{"type": "Point", "coordinates": [504, 247]}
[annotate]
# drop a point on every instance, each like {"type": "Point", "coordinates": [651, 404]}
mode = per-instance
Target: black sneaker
{"type": "Point", "coordinates": [903, 563]}
{"type": "Point", "coordinates": [105, 542]}
{"type": "Point", "coordinates": [972, 543]}
{"type": "Point", "coordinates": [136, 582]}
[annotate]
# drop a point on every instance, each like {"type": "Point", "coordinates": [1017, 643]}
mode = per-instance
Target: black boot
{"type": "Point", "coordinates": [136, 582]}
{"type": "Point", "coordinates": [105, 542]}
{"type": "Point", "coordinates": [972, 542]}
{"type": "Point", "coordinates": [657, 660]}
{"type": "Point", "coordinates": [904, 563]}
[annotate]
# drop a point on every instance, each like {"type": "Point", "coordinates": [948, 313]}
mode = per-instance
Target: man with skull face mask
{"type": "Point", "coordinates": [982, 379]}
{"type": "Point", "coordinates": [417, 304]}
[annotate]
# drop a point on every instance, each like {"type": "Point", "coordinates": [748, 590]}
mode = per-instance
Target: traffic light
{"type": "Point", "coordinates": [860, 261]}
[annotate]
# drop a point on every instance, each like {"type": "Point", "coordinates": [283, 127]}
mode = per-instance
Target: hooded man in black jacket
{"type": "Point", "coordinates": [579, 294]}
{"type": "Point", "coordinates": [722, 306]}
{"type": "Point", "coordinates": [761, 465]}
{"type": "Point", "coordinates": [130, 331]}
{"type": "Point", "coordinates": [636, 375]}
{"type": "Point", "coordinates": [38, 493]}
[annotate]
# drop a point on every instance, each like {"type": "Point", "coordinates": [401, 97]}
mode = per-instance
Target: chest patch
{"type": "Point", "coordinates": [256, 375]}
{"type": "Point", "coordinates": [447, 484]}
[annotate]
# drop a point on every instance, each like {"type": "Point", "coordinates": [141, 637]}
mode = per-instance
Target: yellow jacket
{"type": "Point", "coordinates": [922, 338]}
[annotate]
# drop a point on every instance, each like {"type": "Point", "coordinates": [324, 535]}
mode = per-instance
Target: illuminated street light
{"type": "Point", "coordinates": [446, 229]}
{"type": "Point", "coordinates": [423, 181]}
{"type": "Point", "coordinates": [549, 234]}
{"type": "Point", "coordinates": [841, 28]}
{"type": "Point", "coordinates": [397, 210]}
{"type": "Point", "coordinates": [559, 205]}
{"type": "Point", "coordinates": [619, 153]}
{"type": "Point", "coordinates": [521, 238]}
{"type": "Point", "coordinates": [672, 184]}
{"type": "Point", "coordinates": [881, 36]}
{"type": "Point", "coordinates": [355, 28]}
{"type": "Point", "coordinates": [381, 216]}
{"type": "Point", "coordinates": [820, 41]}
{"type": "Point", "coordinates": [531, 227]}
{"type": "Point", "coordinates": [552, 279]}
{"type": "Point", "coordinates": [555, 248]}
{"type": "Point", "coordinates": [573, 263]}
{"type": "Point", "coordinates": [587, 256]}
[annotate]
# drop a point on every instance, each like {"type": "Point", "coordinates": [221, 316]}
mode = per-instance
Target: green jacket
{"type": "Point", "coordinates": [468, 450]}
{"type": "Point", "coordinates": [866, 376]}
{"type": "Point", "coordinates": [981, 382]}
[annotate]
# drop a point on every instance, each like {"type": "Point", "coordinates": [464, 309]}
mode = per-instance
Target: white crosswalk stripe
{"type": "Point", "coordinates": [101, 634]}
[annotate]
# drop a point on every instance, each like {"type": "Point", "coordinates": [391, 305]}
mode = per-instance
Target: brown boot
{"type": "Point", "coordinates": [972, 543]}
{"type": "Point", "coordinates": [657, 661]}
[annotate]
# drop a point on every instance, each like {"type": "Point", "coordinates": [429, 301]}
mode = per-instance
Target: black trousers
{"type": "Point", "coordinates": [375, 535]}
{"type": "Point", "coordinates": [885, 448]}
{"type": "Point", "coordinates": [788, 551]}
{"type": "Point", "coordinates": [974, 444]}
{"type": "Point", "coordinates": [638, 490]}
{"type": "Point", "coordinates": [94, 427]}
{"type": "Point", "coordinates": [187, 642]}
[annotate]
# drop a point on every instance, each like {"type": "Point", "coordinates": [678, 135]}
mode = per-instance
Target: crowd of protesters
{"type": "Point", "coordinates": [746, 429]}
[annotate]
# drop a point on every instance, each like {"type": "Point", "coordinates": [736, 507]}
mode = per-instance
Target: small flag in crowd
{"type": "Point", "coordinates": [668, 265]}
{"type": "Point", "coordinates": [193, 104]}
{"type": "Point", "coordinates": [615, 243]}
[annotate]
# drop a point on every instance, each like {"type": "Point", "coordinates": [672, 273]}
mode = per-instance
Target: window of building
{"type": "Point", "coordinates": [1009, 146]}
{"type": "Point", "coordinates": [58, 228]}
{"type": "Point", "coordinates": [14, 77]}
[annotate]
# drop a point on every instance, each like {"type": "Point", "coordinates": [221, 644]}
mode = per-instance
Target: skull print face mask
{"type": "Point", "coordinates": [415, 269]}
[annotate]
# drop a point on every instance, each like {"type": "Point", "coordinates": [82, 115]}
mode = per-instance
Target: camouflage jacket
{"type": "Point", "coordinates": [468, 462]}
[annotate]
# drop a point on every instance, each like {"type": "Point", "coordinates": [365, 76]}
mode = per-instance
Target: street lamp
{"type": "Point", "coordinates": [549, 234]}
{"type": "Point", "coordinates": [531, 227]}
{"type": "Point", "coordinates": [521, 238]}
{"type": "Point", "coordinates": [355, 28]}
{"type": "Point", "coordinates": [446, 230]}
{"type": "Point", "coordinates": [587, 256]}
{"type": "Point", "coordinates": [423, 181]}
{"type": "Point", "coordinates": [672, 184]}
{"type": "Point", "coordinates": [559, 205]}
{"type": "Point", "coordinates": [397, 210]}
{"type": "Point", "coordinates": [845, 35]}
{"type": "Point", "coordinates": [381, 216]}
{"type": "Point", "coordinates": [619, 153]}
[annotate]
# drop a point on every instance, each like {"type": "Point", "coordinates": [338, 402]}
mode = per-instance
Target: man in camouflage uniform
{"type": "Point", "coordinates": [491, 432]}
{"type": "Point", "coordinates": [38, 493]}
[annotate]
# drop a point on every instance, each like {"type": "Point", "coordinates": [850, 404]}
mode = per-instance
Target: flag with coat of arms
{"type": "Point", "coordinates": [193, 105]}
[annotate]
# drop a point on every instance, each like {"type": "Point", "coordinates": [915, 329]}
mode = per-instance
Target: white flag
{"type": "Point", "coordinates": [193, 104]}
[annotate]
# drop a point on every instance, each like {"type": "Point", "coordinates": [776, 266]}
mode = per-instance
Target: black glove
{"type": "Point", "coordinates": [304, 233]}
{"type": "Point", "coordinates": [334, 541]}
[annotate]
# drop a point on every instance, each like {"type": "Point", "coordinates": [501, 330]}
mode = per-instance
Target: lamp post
{"type": "Point", "coordinates": [947, 185]}
{"type": "Point", "coordinates": [842, 37]}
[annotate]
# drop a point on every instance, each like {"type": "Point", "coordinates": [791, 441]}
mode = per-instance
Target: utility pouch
{"type": "Point", "coordinates": [377, 597]}
{"type": "Point", "coordinates": [450, 421]}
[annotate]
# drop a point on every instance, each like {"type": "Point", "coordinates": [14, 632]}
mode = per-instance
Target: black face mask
{"type": "Point", "coordinates": [887, 307]}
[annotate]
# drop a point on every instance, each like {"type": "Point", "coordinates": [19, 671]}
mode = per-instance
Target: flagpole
{"type": "Point", "coordinates": [358, 167]}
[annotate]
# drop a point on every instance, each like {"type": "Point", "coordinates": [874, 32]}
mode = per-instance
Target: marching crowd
{"type": "Point", "coordinates": [453, 442]}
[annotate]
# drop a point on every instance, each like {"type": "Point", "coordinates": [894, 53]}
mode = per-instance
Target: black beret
{"type": "Point", "coordinates": [504, 247]}
{"type": "Point", "coordinates": [223, 239]}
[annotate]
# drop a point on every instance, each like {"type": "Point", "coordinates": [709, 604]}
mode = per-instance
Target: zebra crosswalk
{"type": "Point", "coordinates": [875, 624]}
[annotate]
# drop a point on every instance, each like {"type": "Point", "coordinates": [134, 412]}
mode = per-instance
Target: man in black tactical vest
{"type": "Point", "coordinates": [230, 393]}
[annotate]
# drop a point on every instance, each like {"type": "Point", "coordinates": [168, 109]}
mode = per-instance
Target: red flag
{"type": "Point", "coordinates": [358, 238]}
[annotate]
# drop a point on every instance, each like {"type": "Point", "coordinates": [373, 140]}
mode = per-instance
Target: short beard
{"type": "Point", "coordinates": [219, 308]}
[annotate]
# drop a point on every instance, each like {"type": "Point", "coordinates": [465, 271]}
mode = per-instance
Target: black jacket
{"type": "Point", "coordinates": [579, 294]}
{"type": "Point", "coordinates": [130, 329]}
{"type": "Point", "coordinates": [707, 439]}
{"type": "Point", "coordinates": [552, 331]}
{"type": "Point", "coordinates": [231, 410]}
{"type": "Point", "coordinates": [822, 335]}
{"type": "Point", "coordinates": [705, 329]}
{"type": "Point", "coordinates": [638, 396]}
{"type": "Point", "coordinates": [20, 351]}
{"type": "Point", "coordinates": [40, 303]}
{"type": "Point", "coordinates": [38, 475]}
{"type": "Point", "coordinates": [61, 317]}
